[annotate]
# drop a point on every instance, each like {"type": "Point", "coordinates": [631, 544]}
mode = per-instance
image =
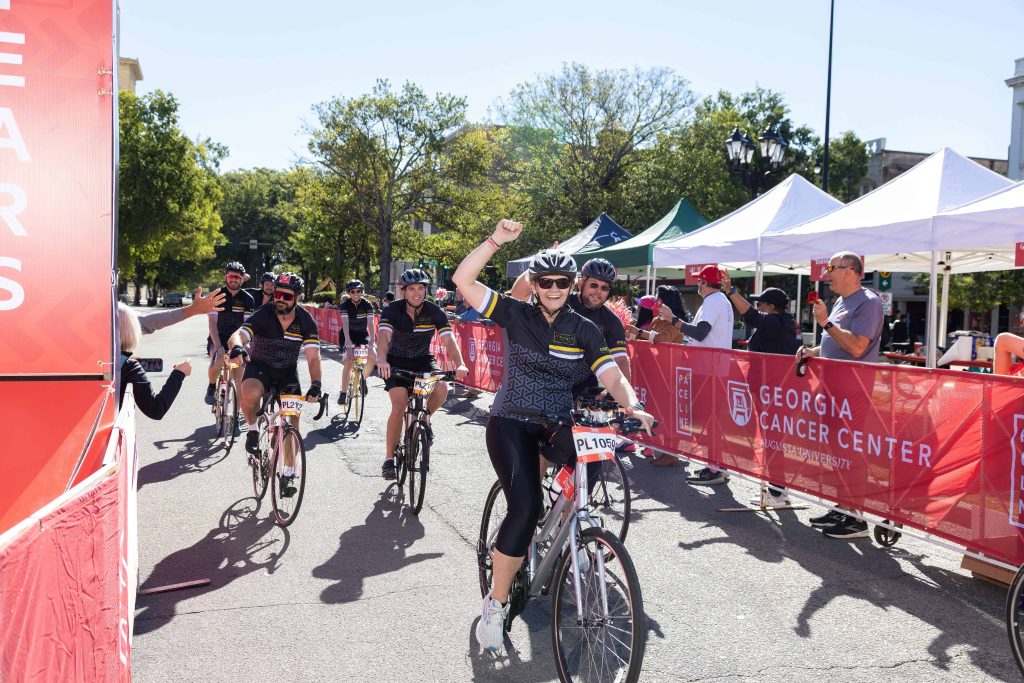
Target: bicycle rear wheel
{"type": "Point", "coordinates": [1015, 618]}
{"type": "Point", "coordinates": [260, 464]}
{"type": "Point", "coordinates": [610, 498]}
{"type": "Point", "coordinates": [495, 509]}
{"type": "Point", "coordinates": [286, 489]}
{"type": "Point", "coordinates": [348, 406]}
{"type": "Point", "coordinates": [417, 456]}
{"type": "Point", "coordinates": [598, 647]}
{"type": "Point", "coordinates": [229, 415]}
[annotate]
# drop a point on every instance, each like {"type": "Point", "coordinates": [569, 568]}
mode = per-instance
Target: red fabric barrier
{"type": "Point", "coordinates": [483, 350]}
{"type": "Point", "coordinates": [68, 575]}
{"type": "Point", "coordinates": [939, 450]}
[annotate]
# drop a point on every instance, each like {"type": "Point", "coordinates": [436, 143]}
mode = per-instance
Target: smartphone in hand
{"type": "Point", "coordinates": [151, 364]}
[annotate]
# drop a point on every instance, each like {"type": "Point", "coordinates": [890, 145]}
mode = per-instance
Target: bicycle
{"type": "Point", "coordinates": [598, 628]}
{"type": "Point", "coordinates": [412, 454]}
{"type": "Point", "coordinates": [357, 386]}
{"type": "Point", "coordinates": [280, 440]}
{"type": "Point", "coordinates": [225, 406]}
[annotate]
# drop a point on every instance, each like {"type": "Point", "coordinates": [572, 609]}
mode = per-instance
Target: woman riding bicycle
{"type": "Point", "coordinates": [549, 348]}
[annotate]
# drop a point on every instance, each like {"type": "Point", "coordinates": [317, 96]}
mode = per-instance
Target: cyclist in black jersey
{"type": "Point", "coordinates": [404, 334]}
{"type": "Point", "coordinates": [549, 348]}
{"type": "Point", "coordinates": [592, 292]}
{"type": "Point", "coordinates": [356, 313]}
{"type": "Point", "coordinates": [238, 306]}
{"type": "Point", "coordinates": [264, 294]}
{"type": "Point", "coordinates": [275, 336]}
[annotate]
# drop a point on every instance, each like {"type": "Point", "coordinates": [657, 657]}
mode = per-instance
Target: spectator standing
{"type": "Point", "coordinates": [852, 331]}
{"type": "Point", "coordinates": [152, 405]}
{"type": "Point", "coordinates": [899, 334]}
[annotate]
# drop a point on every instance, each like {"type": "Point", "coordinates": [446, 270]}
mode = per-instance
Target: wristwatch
{"type": "Point", "coordinates": [675, 319]}
{"type": "Point", "coordinates": [732, 290]}
{"type": "Point", "coordinates": [828, 325]}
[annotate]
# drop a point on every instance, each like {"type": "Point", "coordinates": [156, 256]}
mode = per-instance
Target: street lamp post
{"type": "Point", "coordinates": [828, 98]}
{"type": "Point", "coordinates": [760, 174]}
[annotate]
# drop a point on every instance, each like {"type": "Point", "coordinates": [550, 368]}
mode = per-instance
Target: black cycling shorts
{"type": "Point", "coordinates": [358, 337]}
{"type": "Point", "coordinates": [420, 365]}
{"type": "Point", "coordinates": [286, 381]}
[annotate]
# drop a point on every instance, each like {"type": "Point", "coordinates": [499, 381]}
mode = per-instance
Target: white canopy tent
{"type": "Point", "coordinates": [892, 225]}
{"type": "Point", "coordinates": [735, 240]}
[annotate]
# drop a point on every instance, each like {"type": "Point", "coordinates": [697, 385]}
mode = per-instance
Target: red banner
{"type": "Point", "coordinates": [483, 350]}
{"type": "Point", "coordinates": [1018, 255]}
{"type": "Point", "coordinates": [56, 187]}
{"type": "Point", "coordinates": [68, 575]}
{"type": "Point", "coordinates": [939, 450]}
{"type": "Point", "coordinates": [693, 271]}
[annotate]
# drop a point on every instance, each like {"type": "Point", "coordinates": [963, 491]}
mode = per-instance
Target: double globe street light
{"type": "Point", "coordinates": [760, 174]}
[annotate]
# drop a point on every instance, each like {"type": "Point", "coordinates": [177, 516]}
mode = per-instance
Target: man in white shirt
{"type": "Point", "coordinates": [711, 328]}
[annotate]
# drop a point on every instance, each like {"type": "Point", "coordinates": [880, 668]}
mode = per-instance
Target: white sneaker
{"type": "Point", "coordinates": [490, 630]}
{"type": "Point", "coordinates": [771, 500]}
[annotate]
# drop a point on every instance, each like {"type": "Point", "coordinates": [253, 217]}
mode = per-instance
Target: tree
{"type": "Point", "coordinates": [847, 166]}
{"type": "Point", "coordinates": [577, 133]}
{"type": "Point", "coordinates": [386, 150]}
{"type": "Point", "coordinates": [259, 204]}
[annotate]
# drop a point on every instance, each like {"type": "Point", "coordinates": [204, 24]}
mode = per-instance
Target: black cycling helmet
{"type": "Point", "coordinates": [599, 269]}
{"type": "Point", "coordinates": [354, 284]}
{"type": "Point", "coordinates": [268, 277]}
{"type": "Point", "coordinates": [414, 276]}
{"type": "Point", "coordinates": [553, 262]}
{"type": "Point", "coordinates": [235, 266]}
{"type": "Point", "coordinates": [289, 281]}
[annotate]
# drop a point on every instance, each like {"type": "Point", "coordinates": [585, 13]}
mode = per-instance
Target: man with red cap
{"type": "Point", "coordinates": [711, 327]}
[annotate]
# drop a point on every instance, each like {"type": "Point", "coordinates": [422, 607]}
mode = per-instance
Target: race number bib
{"type": "Point", "coordinates": [291, 406]}
{"type": "Point", "coordinates": [360, 353]}
{"type": "Point", "coordinates": [423, 386]}
{"type": "Point", "coordinates": [594, 444]}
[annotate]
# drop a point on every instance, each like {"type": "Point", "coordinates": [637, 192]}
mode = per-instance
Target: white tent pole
{"type": "Point", "coordinates": [799, 301]}
{"type": "Point", "coordinates": [654, 277]}
{"type": "Point", "coordinates": [647, 284]}
{"type": "Point", "coordinates": [933, 331]}
{"type": "Point", "coordinates": [944, 310]}
{"type": "Point", "coordinates": [759, 277]}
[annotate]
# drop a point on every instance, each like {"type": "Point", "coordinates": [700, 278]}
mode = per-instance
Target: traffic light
{"type": "Point", "coordinates": [884, 281]}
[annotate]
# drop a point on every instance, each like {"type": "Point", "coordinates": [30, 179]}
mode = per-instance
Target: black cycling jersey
{"type": "Point", "coordinates": [607, 323]}
{"type": "Point", "coordinates": [275, 347]}
{"type": "Point", "coordinates": [358, 315]}
{"type": "Point", "coordinates": [257, 296]}
{"type": "Point", "coordinates": [237, 308]}
{"type": "Point", "coordinates": [543, 361]}
{"type": "Point", "coordinates": [410, 340]}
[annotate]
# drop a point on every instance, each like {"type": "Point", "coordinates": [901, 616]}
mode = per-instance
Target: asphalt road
{"type": "Point", "coordinates": [358, 589]}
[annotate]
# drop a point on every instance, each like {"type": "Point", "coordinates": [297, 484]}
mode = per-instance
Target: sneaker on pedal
{"type": "Point", "coordinates": [252, 442]}
{"type": "Point", "coordinates": [342, 398]}
{"type": "Point", "coordinates": [388, 470]}
{"type": "Point", "coordinates": [490, 630]}
{"type": "Point", "coordinates": [286, 485]}
{"type": "Point", "coordinates": [849, 528]}
{"type": "Point", "coordinates": [209, 395]}
{"type": "Point", "coordinates": [830, 518]}
{"type": "Point", "coordinates": [708, 477]}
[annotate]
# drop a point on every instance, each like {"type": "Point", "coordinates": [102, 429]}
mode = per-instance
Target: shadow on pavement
{"type": "Point", "coordinates": [241, 544]}
{"type": "Point", "coordinates": [378, 546]}
{"type": "Point", "coordinates": [198, 453]}
{"type": "Point", "coordinates": [964, 611]}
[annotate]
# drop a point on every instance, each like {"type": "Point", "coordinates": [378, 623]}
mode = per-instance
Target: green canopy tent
{"type": "Point", "coordinates": [634, 256]}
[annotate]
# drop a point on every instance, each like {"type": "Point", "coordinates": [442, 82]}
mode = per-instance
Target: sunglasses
{"type": "Point", "coordinates": [549, 282]}
{"type": "Point", "coordinates": [829, 268]}
{"type": "Point", "coordinates": [284, 296]}
{"type": "Point", "coordinates": [603, 288]}
{"type": "Point", "coordinates": [232, 276]}
{"type": "Point", "coordinates": [356, 290]}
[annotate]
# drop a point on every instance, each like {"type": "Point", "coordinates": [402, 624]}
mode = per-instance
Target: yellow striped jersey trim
{"type": "Point", "coordinates": [486, 308]}
{"type": "Point", "coordinates": [599, 364]}
{"type": "Point", "coordinates": [385, 325]}
{"type": "Point", "coordinates": [565, 349]}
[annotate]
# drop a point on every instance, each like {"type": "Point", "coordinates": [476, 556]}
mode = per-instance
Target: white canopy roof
{"type": "Point", "coordinates": [892, 225]}
{"type": "Point", "coordinates": [733, 240]}
{"type": "Point", "coordinates": [995, 221]}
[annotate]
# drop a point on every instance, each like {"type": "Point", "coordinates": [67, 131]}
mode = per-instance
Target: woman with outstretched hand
{"type": "Point", "coordinates": [549, 348]}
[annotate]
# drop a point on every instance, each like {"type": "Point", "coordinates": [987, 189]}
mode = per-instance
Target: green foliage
{"type": "Point", "coordinates": [325, 297]}
{"type": "Point", "coordinates": [847, 166]}
{"type": "Point", "coordinates": [259, 204]}
{"type": "Point", "coordinates": [983, 291]}
{"type": "Point", "coordinates": [168, 193]}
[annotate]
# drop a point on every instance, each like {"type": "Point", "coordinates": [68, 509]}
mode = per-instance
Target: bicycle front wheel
{"type": "Point", "coordinates": [287, 481]}
{"type": "Point", "coordinates": [356, 399]}
{"type": "Point", "coordinates": [229, 415]}
{"type": "Point", "coordinates": [594, 642]}
{"type": "Point", "coordinates": [609, 496]}
{"type": "Point", "coordinates": [1015, 618]}
{"type": "Point", "coordinates": [417, 454]}
{"type": "Point", "coordinates": [260, 464]}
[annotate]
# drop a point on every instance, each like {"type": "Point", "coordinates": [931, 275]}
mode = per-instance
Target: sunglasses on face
{"type": "Point", "coordinates": [549, 282]}
{"type": "Point", "coordinates": [358, 291]}
{"type": "Point", "coordinates": [603, 288]}
{"type": "Point", "coordinates": [284, 296]}
{"type": "Point", "coordinates": [232, 276]}
{"type": "Point", "coordinates": [829, 268]}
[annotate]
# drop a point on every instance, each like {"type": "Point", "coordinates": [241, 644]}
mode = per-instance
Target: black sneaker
{"type": "Point", "coordinates": [830, 518]}
{"type": "Point", "coordinates": [342, 398]}
{"type": "Point", "coordinates": [706, 477]}
{"type": "Point", "coordinates": [252, 442]}
{"type": "Point", "coordinates": [286, 485]}
{"type": "Point", "coordinates": [209, 395]}
{"type": "Point", "coordinates": [388, 470]}
{"type": "Point", "coordinates": [849, 528]}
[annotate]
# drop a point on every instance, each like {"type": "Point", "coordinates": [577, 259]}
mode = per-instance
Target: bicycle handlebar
{"type": "Point", "coordinates": [447, 376]}
{"type": "Point", "coordinates": [621, 423]}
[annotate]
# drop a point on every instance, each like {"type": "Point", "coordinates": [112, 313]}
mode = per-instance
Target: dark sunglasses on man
{"type": "Point", "coordinates": [549, 282]}
{"type": "Point", "coordinates": [599, 286]}
{"type": "Point", "coordinates": [283, 295]}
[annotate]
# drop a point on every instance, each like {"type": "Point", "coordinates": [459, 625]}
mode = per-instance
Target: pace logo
{"type": "Point", "coordinates": [1017, 473]}
{"type": "Point", "coordinates": [684, 401]}
{"type": "Point", "coordinates": [472, 350]}
{"type": "Point", "coordinates": [740, 404]}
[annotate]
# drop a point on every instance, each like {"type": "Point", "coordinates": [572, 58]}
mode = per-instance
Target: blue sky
{"type": "Point", "coordinates": [921, 73]}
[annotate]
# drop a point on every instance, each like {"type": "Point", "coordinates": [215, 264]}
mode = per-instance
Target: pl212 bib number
{"type": "Point", "coordinates": [291, 406]}
{"type": "Point", "coordinates": [594, 444]}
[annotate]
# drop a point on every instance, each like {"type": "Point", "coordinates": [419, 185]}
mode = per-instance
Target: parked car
{"type": "Point", "coordinates": [177, 299]}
